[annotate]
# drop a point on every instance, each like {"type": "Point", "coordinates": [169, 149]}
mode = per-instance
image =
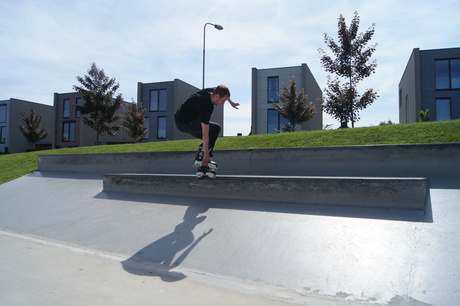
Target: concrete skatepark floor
{"type": "Point", "coordinates": [276, 252]}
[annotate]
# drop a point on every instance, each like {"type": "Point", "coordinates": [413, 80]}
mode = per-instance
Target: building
{"type": "Point", "coordinates": [430, 81]}
{"type": "Point", "coordinates": [162, 99]}
{"type": "Point", "coordinates": [11, 138]}
{"type": "Point", "coordinates": [265, 88]}
{"type": "Point", "coordinates": [70, 131]}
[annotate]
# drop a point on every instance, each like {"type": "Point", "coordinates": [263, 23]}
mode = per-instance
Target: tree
{"type": "Point", "coordinates": [99, 107]}
{"type": "Point", "coordinates": [32, 130]}
{"type": "Point", "coordinates": [134, 122]}
{"type": "Point", "coordinates": [424, 115]}
{"type": "Point", "coordinates": [351, 63]}
{"type": "Point", "coordinates": [294, 108]}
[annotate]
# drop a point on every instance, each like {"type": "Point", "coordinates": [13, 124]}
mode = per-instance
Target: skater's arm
{"type": "Point", "coordinates": [205, 133]}
{"type": "Point", "coordinates": [233, 104]}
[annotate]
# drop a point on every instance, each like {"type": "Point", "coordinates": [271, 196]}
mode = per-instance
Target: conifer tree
{"type": "Point", "coordinates": [134, 122]}
{"type": "Point", "coordinates": [32, 131]}
{"type": "Point", "coordinates": [99, 106]}
{"type": "Point", "coordinates": [294, 107]}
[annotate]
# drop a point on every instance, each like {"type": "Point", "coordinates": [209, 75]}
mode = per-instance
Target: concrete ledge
{"type": "Point", "coordinates": [370, 161]}
{"type": "Point", "coordinates": [355, 191]}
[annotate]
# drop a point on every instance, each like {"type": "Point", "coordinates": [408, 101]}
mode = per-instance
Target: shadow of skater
{"type": "Point", "coordinates": [157, 259]}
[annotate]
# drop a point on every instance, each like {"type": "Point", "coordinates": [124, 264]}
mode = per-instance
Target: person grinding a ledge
{"type": "Point", "coordinates": [193, 117]}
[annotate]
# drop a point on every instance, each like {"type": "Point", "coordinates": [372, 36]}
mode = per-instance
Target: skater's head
{"type": "Point", "coordinates": [222, 90]}
{"type": "Point", "coordinates": [220, 94]}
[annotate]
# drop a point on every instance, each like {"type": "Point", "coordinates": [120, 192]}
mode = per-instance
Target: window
{"type": "Point", "coordinates": [2, 113]}
{"type": "Point", "coordinates": [2, 134]}
{"type": "Point", "coordinates": [161, 130]}
{"type": "Point", "coordinates": [407, 108]}
{"type": "Point", "coordinates": [66, 108]}
{"type": "Point", "coordinates": [443, 109]}
{"type": "Point", "coordinates": [77, 113]}
{"type": "Point", "coordinates": [455, 73]}
{"type": "Point", "coordinates": [157, 100]}
{"type": "Point", "coordinates": [275, 121]}
{"type": "Point", "coordinates": [447, 74]}
{"type": "Point", "coordinates": [272, 89]}
{"type": "Point", "coordinates": [68, 131]}
{"type": "Point", "coordinates": [147, 125]}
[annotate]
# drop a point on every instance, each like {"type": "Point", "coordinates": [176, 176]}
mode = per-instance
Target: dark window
{"type": "Point", "coordinates": [455, 73]}
{"type": "Point", "coordinates": [443, 109]}
{"type": "Point", "coordinates": [275, 121]}
{"type": "Point", "coordinates": [147, 125]}
{"type": "Point", "coordinates": [447, 74]}
{"type": "Point", "coordinates": [2, 134]}
{"type": "Point", "coordinates": [161, 127]}
{"type": "Point", "coordinates": [272, 89]}
{"type": "Point", "coordinates": [157, 100]}
{"type": "Point", "coordinates": [68, 131]}
{"type": "Point", "coordinates": [66, 108]}
{"type": "Point", "coordinates": [77, 113]}
{"type": "Point", "coordinates": [2, 113]}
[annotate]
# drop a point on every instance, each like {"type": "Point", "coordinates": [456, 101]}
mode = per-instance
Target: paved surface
{"type": "Point", "coordinates": [36, 272]}
{"type": "Point", "coordinates": [64, 241]}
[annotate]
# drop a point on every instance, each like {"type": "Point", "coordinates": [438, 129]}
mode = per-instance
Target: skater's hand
{"type": "Point", "coordinates": [233, 104]}
{"type": "Point", "coordinates": [206, 159]}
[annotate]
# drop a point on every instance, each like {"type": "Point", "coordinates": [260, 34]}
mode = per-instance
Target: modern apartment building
{"type": "Point", "coordinates": [162, 99]}
{"type": "Point", "coordinates": [70, 131]}
{"type": "Point", "coordinates": [267, 83]}
{"type": "Point", "coordinates": [11, 138]}
{"type": "Point", "coordinates": [430, 81]}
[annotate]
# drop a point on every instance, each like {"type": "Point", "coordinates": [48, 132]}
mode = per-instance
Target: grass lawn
{"type": "Point", "coordinates": [16, 165]}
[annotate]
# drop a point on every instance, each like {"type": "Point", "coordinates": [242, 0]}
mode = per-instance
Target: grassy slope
{"type": "Point", "coordinates": [15, 165]}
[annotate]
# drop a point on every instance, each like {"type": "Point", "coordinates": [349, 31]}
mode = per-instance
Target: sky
{"type": "Point", "coordinates": [46, 44]}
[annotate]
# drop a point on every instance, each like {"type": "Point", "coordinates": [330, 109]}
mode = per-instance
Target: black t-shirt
{"type": "Point", "coordinates": [197, 106]}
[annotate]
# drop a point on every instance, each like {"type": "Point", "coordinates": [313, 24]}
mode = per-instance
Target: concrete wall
{"type": "Point", "coordinates": [15, 140]}
{"type": "Point", "coordinates": [429, 94]}
{"type": "Point", "coordinates": [304, 80]}
{"type": "Point", "coordinates": [409, 90]}
{"type": "Point", "coordinates": [177, 92]}
{"type": "Point", "coordinates": [84, 135]}
{"type": "Point", "coordinates": [367, 161]}
{"type": "Point", "coordinates": [417, 88]}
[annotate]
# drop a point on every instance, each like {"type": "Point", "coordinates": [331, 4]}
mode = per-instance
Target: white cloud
{"type": "Point", "coordinates": [46, 44]}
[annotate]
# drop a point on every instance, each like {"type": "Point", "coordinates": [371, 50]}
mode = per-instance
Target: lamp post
{"type": "Point", "coordinates": [218, 27]}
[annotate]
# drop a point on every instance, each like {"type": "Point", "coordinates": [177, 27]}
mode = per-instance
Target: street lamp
{"type": "Point", "coordinates": [217, 26]}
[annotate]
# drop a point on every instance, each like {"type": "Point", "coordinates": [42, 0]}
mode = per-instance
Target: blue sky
{"type": "Point", "coordinates": [46, 44]}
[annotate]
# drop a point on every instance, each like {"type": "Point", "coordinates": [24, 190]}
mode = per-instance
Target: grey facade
{"type": "Point", "coordinates": [162, 99]}
{"type": "Point", "coordinates": [70, 131]}
{"type": "Point", "coordinates": [11, 138]}
{"type": "Point", "coordinates": [430, 81]}
{"type": "Point", "coordinates": [266, 83]}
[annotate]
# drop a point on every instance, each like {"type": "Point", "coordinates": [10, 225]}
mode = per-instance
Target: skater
{"type": "Point", "coordinates": [193, 117]}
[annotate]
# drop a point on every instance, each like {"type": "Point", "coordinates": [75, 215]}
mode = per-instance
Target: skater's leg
{"type": "Point", "coordinates": [214, 131]}
{"type": "Point", "coordinates": [193, 128]}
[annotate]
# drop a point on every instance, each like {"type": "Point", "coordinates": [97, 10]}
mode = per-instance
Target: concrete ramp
{"type": "Point", "coordinates": [350, 191]}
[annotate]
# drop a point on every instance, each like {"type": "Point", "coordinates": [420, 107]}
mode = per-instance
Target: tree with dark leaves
{"type": "Point", "coordinates": [351, 63]}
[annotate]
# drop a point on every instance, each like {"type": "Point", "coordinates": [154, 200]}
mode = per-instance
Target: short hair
{"type": "Point", "coordinates": [222, 91]}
